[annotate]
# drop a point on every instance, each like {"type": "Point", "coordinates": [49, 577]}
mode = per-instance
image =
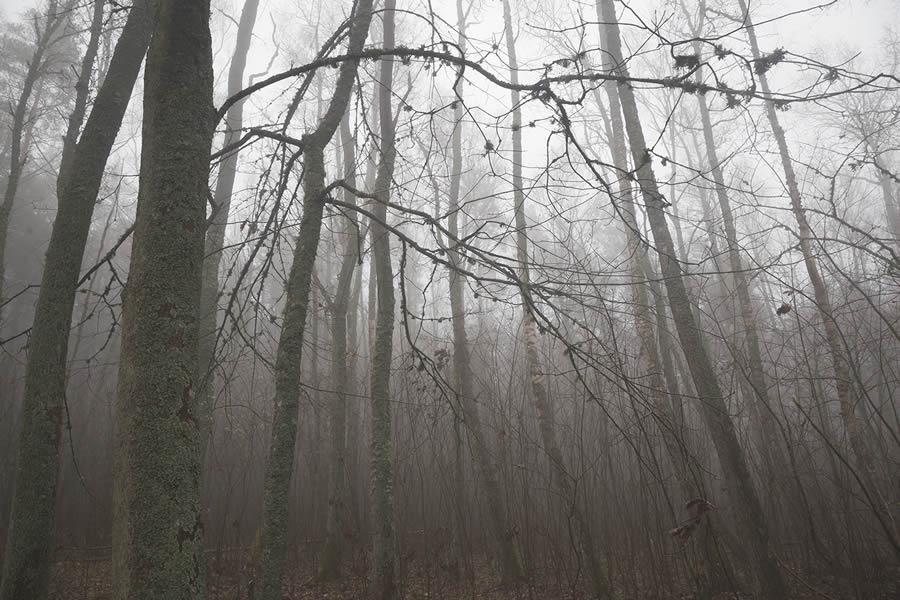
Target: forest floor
{"type": "Point", "coordinates": [89, 578]}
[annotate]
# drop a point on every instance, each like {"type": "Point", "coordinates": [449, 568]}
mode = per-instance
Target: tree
{"type": "Point", "coordinates": [600, 587]}
{"type": "Point", "coordinates": [290, 345]}
{"type": "Point", "coordinates": [332, 555]}
{"type": "Point", "coordinates": [384, 585]}
{"type": "Point", "coordinates": [215, 235]}
{"type": "Point", "coordinates": [465, 395]}
{"type": "Point", "coordinates": [30, 540]}
{"type": "Point", "coordinates": [46, 32]}
{"type": "Point", "coordinates": [840, 364]}
{"type": "Point", "coordinates": [157, 526]}
{"type": "Point", "coordinates": [747, 511]}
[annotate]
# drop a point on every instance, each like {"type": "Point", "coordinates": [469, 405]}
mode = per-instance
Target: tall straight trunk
{"type": "Point", "coordinates": [559, 478]}
{"type": "Point", "coordinates": [157, 526]}
{"type": "Point", "coordinates": [509, 563]}
{"type": "Point", "coordinates": [742, 495]}
{"type": "Point", "coordinates": [332, 555]}
{"type": "Point", "coordinates": [54, 18]}
{"type": "Point", "coordinates": [215, 234]}
{"type": "Point", "coordinates": [840, 364]}
{"type": "Point", "coordinates": [30, 538]}
{"type": "Point", "coordinates": [641, 271]}
{"type": "Point", "coordinates": [655, 349]}
{"type": "Point", "coordinates": [756, 377]}
{"type": "Point", "coordinates": [383, 584]}
{"type": "Point", "coordinates": [280, 463]}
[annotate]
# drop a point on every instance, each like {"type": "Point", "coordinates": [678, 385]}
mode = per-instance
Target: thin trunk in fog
{"type": "Point", "coordinates": [332, 555]}
{"type": "Point", "coordinates": [755, 374]}
{"type": "Point", "coordinates": [280, 463]}
{"type": "Point", "coordinates": [157, 524]}
{"type": "Point", "coordinates": [30, 539]}
{"type": "Point", "coordinates": [501, 531]}
{"type": "Point", "coordinates": [840, 364]}
{"type": "Point", "coordinates": [383, 585]}
{"type": "Point", "coordinates": [642, 272]}
{"type": "Point", "coordinates": [746, 507]}
{"type": "Point", "coordinates": [559, 478]}
{"type": "Point", "coordinates": [655, 350]}
{"type": "Point", "coordinates": [53, 18]}
{"type": "Point", "coordinates": [215, 234]}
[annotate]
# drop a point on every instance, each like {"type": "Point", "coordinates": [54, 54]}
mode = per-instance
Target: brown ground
{"type": "Point", "coordinates": [86, 576]}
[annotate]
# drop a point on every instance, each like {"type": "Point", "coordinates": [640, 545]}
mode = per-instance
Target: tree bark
{"type": "Point", "coordinates": [741, 492]}
{"type": "Point", "coordinates": [30, 539]}
{"type": "Point", "coordinates": [157, 528]}
{"type": "Point", "coordinates": [332, 555]}
{"type": "Point", "coordinates": [280, 463]}
{"type": "Point", "coordinates": [384, 586]}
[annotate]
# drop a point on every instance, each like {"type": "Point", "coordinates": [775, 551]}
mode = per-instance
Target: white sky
{"type": "Point", "coordinates": [854, 23]}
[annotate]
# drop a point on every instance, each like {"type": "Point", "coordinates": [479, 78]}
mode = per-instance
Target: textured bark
{"type": "Point", "coordinates": [30, 538]}
{"type": "Point", "coordinates": [840, 364]}
{"type": "Point", "coordinates": [157, 528]}
{"type": "Point", "coordinates": [215, 234]}
{"type": "Point", "coordinates": [741, 492]}
{"type": "Point", "coordinates": [509, 563]}
{"type": "Point", "coordinates": [280, 462]}
{"type": "Point", "coordinates": [332, 555]}
{"type": "Point", "coordinates": [383, 585]}
{"type": "Point", "coordinates": [599, 586]}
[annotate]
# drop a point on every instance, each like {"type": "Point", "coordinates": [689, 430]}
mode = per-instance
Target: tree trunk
{"type": "Point", "coordinates": [502, 533]}
{"type": "Point", "coordinates": [215, 234]}
{"type": "Point", "coordinates": [741, 492]}
{"type": "Point", "coordinates": [30, 538]}
{"type": "Point", "coordinates": [332, 555]}
{"type": "Point", "coordinates": [599, 585]}
{"type": "Point", "coordinates": [774, 460]}
{"type": "Point", "coordinates": [157, 528]}
{"type": "Point", "coordinates": [384, 586]}
{"type": "Point", "coordinates": [280, 463]}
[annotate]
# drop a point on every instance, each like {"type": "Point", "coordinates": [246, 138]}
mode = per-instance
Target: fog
{"type": "Point", "coordinates": [449, 299]}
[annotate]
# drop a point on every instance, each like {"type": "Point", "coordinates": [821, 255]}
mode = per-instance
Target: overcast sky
{"type": "Point", "coordinates": [857, 24]}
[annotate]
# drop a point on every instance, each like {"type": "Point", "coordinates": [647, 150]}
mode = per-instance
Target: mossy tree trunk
{"type": "Point", "coordinates": [742, 494]}
{"type": "Point", "coordinates": [280, 463]}
{"type": "Point", "coordinates": [332, 555]}
{"type": "Point", "coordinates": [30, 538]}
{"type": "Point", "coordinates": [157, 528]}
{"type": "Point", "coordinates": [383, 584]}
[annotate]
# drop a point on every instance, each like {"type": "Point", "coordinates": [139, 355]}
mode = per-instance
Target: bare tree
{"type": "Point", "coordinates": [741, 492]}
{"type": "Point", "coordinates": [290, 345]}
